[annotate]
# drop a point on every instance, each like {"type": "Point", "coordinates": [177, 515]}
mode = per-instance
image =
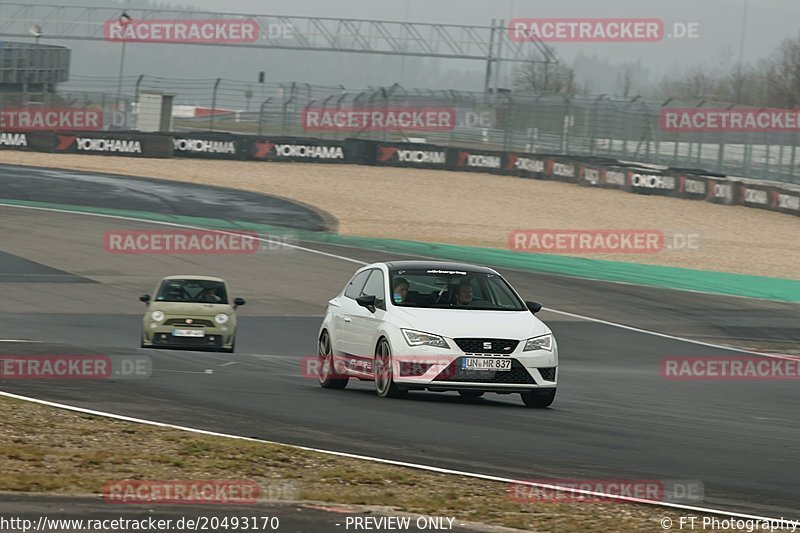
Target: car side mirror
{"type": "Point", "coordinates": [144, 298]}
{"type": "Point", "coordinates": [238, 301]}
{"type": "Point", "coordinates": [367, 301]}
{"type": "Point", "coordinates": [534, 307]}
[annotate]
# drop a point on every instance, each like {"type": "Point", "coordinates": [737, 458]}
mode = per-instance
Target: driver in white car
{"type": "Point", "coordinates": [400, 290]}
{"type": "Point", "coordinates": [464, 294]}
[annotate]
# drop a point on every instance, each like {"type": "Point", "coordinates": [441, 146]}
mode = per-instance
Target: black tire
{"type": "Point", "coordinates": [538, 399]}
{"type": "Point", "coordinates": [328, 377]}
{"type": "Point", "coordinates": [470, 393]}
{"type": "Point", "coordinates": [385, 386]}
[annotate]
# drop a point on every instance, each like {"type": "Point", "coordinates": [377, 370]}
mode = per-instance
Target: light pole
{"type": "Point", "coordinates": [37, 32]}
{"type": "Point", "coordinates": [124, 20]}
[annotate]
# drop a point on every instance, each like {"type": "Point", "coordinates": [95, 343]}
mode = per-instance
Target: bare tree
{"type": "Point", "coordinates": [783, 75]}
{"type": "Point", "coordinates": [774, 81]}
{"type": "Point", "coordinates": [625, 80]}
{"type": "Point", "coordinates": [545, 78]}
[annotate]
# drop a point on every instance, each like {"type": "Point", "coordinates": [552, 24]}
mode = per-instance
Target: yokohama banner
{"type": "Point", "coordinates": [614, 177]}
{"type": "Point", "coordinates": [754, 196]}
{"type": "Point", "coordinates": [588, 172]}
{"type": "Point", "coordinates": [648, 181]}
{"type": "Point", "coordinates": [590, 175]}
{"type": "Point", "coordinates": [563, 170]}
{"type": "Point", "coordinates": [410, 155]}
{"type": "Point", "coordinates": [721, 191]}
{"type": "Point", "coordinates": [688, 185]}
{"type": "Point", "coordinates": [294, 149]}
{"type": "Point", "coordinates": [478, 160]}
{"type": "Point", "coordinates": [785, 201]}
{"type": "Point", "coordinates": [208, 145]}
{"type": "Point", "coordinates": [14, 141]}
{"type": "Point", "coordinates": [128, 144]}
{"type": "Point", "coordinates": [526, 165]}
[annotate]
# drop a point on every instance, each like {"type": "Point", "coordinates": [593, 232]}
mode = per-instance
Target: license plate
{"type": "Point", "coordinates": [485, 363]}
{"type": "Point", "coordinates": [188, 333]}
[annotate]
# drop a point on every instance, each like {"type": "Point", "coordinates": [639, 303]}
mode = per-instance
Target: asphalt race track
{"type": "Point", "coordinates": [614, 416]}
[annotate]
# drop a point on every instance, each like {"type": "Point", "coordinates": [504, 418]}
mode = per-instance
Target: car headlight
{"type": "Point", "coordinates": [418, 338]}
{"type": "Point", "coordinates": [158, 316]}
{"type": "Point", "coordinates": [221, 318]}
{"type": "Point", "coordinates": [545, 342]}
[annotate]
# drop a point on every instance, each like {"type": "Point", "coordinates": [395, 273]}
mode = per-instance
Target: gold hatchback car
{"type": "Point", "coordinates": [192, 313]}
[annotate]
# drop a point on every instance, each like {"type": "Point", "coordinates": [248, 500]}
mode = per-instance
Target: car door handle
{"type": "Point", "coordinates": [347, 319]}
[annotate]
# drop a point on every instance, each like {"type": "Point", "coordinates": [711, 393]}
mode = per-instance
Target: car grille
{"type": "Point", "coordinates": [182, 322]}
{"type": "Point", "coordinates": [165, 339]}
{"type": "Point", "coordinates": [517, 375]}
{"type": "Point", "coordinates": [548, 374]}
{"type": "Point", "coordinates": [499, 346]}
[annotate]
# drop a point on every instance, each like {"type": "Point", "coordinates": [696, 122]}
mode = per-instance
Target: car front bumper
{"type": "Point", "coordinates": [438, 369]}
{"type": "Point", "coordinates": [213, 338]}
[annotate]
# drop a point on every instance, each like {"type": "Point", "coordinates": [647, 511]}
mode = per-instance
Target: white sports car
{"type": "Point", "coordinates": [438, 326]}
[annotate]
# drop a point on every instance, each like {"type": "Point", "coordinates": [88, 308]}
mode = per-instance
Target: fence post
{"type": "Point", "coordinates": [791, 162]}
{"type": "Point", "coordinates": [285, 111]}
{"type": "Point", "coordinates": [261, 115]}
{"type": "Point", "coordinates": [324, 105]}
{"type": "Point", "coordinates": [338, 107]}
{"type": "Point", "coordinates": [594, 119]}
{"type": "Point", "coordinates": [214, 104]}
{"type": "Point", "coordinates": [307, 107]}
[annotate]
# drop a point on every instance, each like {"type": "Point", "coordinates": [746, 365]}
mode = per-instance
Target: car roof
{"type": "Point", "coordinates": [440, 265]}
{"type": "Point", "coordinates": [199, 278]}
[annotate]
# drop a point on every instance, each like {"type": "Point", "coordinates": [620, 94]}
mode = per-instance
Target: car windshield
{"type": "Point", "coordinates": [192, 290]}
{"type": "Point", "coordinates": [452, 289]}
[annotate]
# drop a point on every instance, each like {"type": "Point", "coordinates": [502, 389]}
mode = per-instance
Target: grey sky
{"type": "Point", "coordinates": [769, 21]}
{"type": "Point", "coordinates": [720, 24]}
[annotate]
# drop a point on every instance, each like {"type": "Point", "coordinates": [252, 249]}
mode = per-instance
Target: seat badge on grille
{"type": "Point", "coordinates": [487, 345]}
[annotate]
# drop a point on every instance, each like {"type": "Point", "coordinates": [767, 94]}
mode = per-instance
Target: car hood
{"type": "Point", "coordinates": [472, 323]}
{"type": "Point", "coordinates": [190, 308]}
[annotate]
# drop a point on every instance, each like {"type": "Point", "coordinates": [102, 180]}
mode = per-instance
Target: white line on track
{"type": "Point", "coordinates": [377, 459]}
{"type": "Point", "coordinates": [666, 335]}
{"type": "Point", "coordinates": [416, 466]}
{"type": "Point", "coordinates": [183, 371]}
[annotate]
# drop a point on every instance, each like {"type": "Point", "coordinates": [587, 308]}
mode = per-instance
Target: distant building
{"type": "Point", "coordinates": [32, 68]}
